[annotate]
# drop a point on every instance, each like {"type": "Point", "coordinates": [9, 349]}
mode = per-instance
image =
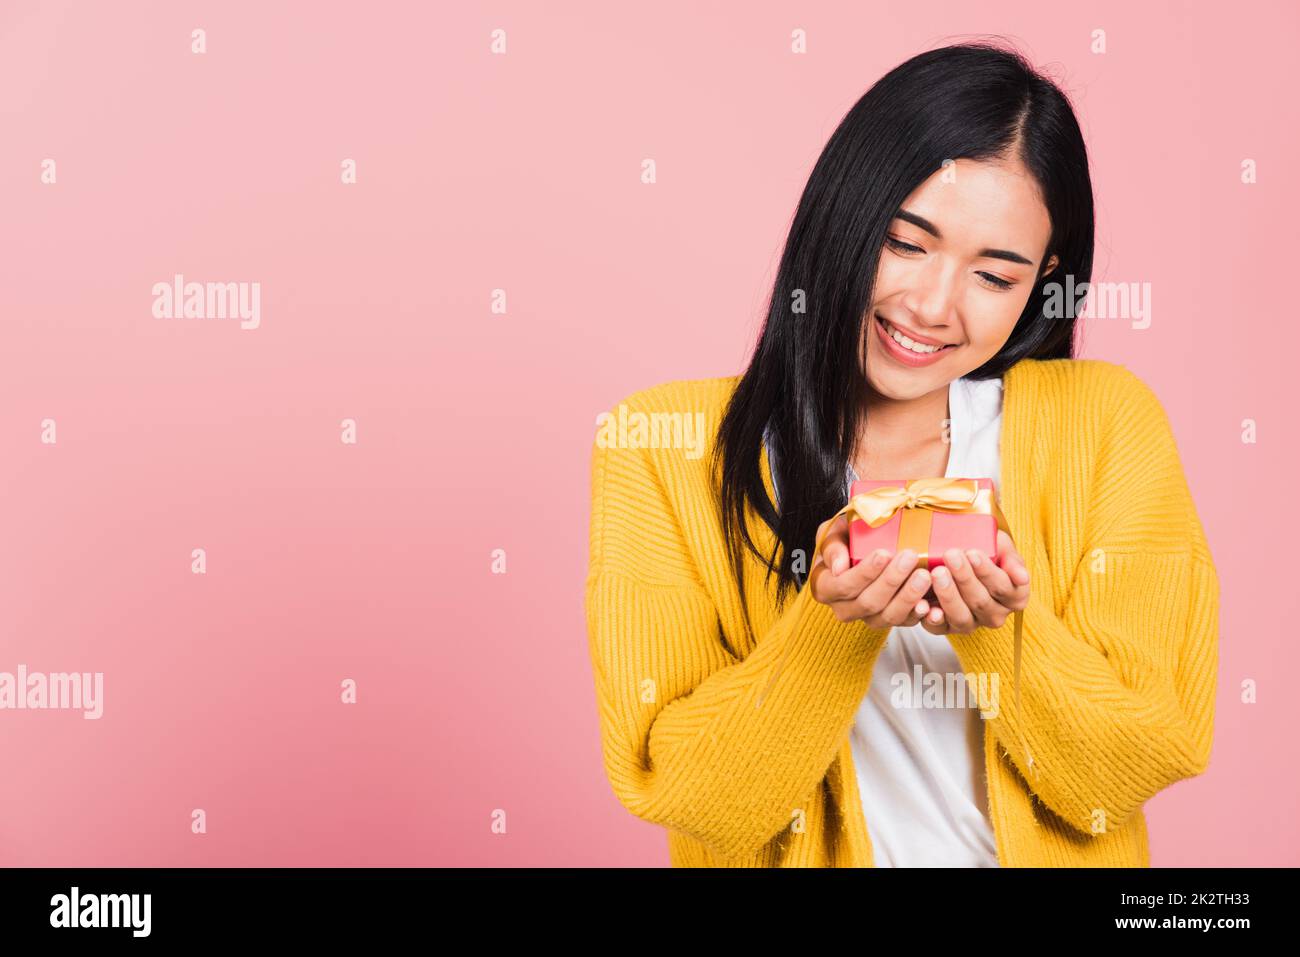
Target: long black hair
{"type": "Point", "coordinates": [976, 101]}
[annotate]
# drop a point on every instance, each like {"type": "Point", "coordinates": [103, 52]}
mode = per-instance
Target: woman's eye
{"type": "Point", "coordinates": [989, 279]}
{"type": "Point", "coordinates": [902, 246]}
{"type": "Point", "coordinates": [995, 281]}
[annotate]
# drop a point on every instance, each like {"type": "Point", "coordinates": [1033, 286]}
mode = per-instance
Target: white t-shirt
{"type": "Point", "coordinates": [921, 769]}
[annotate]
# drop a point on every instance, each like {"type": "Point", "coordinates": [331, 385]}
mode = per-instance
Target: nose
{"type": "Point", "coordinates": [932, 295]}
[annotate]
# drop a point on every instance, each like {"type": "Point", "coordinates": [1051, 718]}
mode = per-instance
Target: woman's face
{"type": "Point", "coordinates": [959, 263]}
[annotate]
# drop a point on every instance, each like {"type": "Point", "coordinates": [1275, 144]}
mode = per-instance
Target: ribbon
{"type": "Point", "coordinates": [919, 499]}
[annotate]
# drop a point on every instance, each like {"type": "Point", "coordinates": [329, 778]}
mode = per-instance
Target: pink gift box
{"type": "Point", "coordinates": [947, 530]}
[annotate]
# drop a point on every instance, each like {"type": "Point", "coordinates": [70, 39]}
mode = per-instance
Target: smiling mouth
{"type": "Point", "coordinates": [903, 341]}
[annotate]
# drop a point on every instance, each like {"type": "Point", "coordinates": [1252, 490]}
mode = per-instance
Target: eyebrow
{"type": "Point", "coordinates": [933, 230]}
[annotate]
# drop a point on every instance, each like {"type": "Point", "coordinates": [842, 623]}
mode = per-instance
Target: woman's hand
{"type": "Point", "coordinates": [974, 591]}
{"type": "Point", "coordinates": [877, 591]}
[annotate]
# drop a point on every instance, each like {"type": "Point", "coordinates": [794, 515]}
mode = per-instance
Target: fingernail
{"type": "Point", "coordinates": [906, 559]}
{"type": "Point", "coordinates": [941, 577]}
{"type": "Point", "coordinates": [975, 558]}
{"type": "Point", "coordinates": [879, 557]}
{"type": "Point", "coordinates": [920, 580]}
{"type": "Point", "coordinates": [838, 564]}
{"type": "Point", "coordinates": [953, 557]}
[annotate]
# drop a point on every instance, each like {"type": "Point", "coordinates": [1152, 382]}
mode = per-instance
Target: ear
{"type": "Point", "coordinates": [1051, 264]}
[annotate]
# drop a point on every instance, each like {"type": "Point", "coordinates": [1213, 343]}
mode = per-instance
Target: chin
{"type": "Point", "coordinates": [906, 385]}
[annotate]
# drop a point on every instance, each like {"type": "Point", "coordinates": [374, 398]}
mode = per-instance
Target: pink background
{"type": "Point", "coordinates": [520, 172]}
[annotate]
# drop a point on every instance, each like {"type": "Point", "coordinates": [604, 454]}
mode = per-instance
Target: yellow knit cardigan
{"type": "Point", "coordinates": [1119, 663]}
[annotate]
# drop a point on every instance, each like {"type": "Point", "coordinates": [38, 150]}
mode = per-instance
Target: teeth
{"type": "Point", "coordinates": [907, 343]}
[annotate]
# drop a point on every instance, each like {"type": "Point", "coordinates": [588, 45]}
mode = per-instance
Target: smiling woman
{"type": "Point", "coordinates": [906, 337]}
{"type": "Point", "coordinates": [923, 277]}
{"type": "Point", "coordinates": [946, 300]}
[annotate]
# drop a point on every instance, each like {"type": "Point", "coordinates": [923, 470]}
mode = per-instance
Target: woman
{"type": "Point", "coordinates": [749, 695]}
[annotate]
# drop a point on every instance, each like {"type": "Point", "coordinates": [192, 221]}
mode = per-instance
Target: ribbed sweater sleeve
{"type": "Point", "coordinates": [1118, 688]}
{"type": "Point", "coordinates": [685, 743]}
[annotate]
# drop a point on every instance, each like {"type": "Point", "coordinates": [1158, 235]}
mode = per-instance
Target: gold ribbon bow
{"type": "Point", "coordinates": [919, 499]}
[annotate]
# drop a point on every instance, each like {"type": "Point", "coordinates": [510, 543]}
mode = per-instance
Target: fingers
{"type": "Point", "coordinates": [895, 594]}
{"type": "Point", "coordinates": [957, 615]}
{"type": "Point", "coordinates": [908, 599]}
{"type": "Point", "coordinates": [835, 548]}
{"type": "Point", "coordinates": [848, 584]}
{"type": "Point", "coordinates": [1010, 561]}
{"type": "Point", "coordinates": [972, 597]}
{"type": "Point", "coordinates": [997, 582]}
{"type": "Point", "coordinates": [918, 612]}
{"type": "Point", "coordinates": [1017, 596]}
{"type": "Point", "coordinates": [826, 535]}
{"type": "Point", "coordinates": [934, 620]}
{"type": "Point", "coordinates": [843, 591]}
{"type": "Point", "coordinates": [919, 608]}
{"type": "Point", "coordinates": [1003, 591]}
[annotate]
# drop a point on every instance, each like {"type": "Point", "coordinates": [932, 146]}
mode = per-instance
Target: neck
{"type": "Point", "coordinates": [900, 424]}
